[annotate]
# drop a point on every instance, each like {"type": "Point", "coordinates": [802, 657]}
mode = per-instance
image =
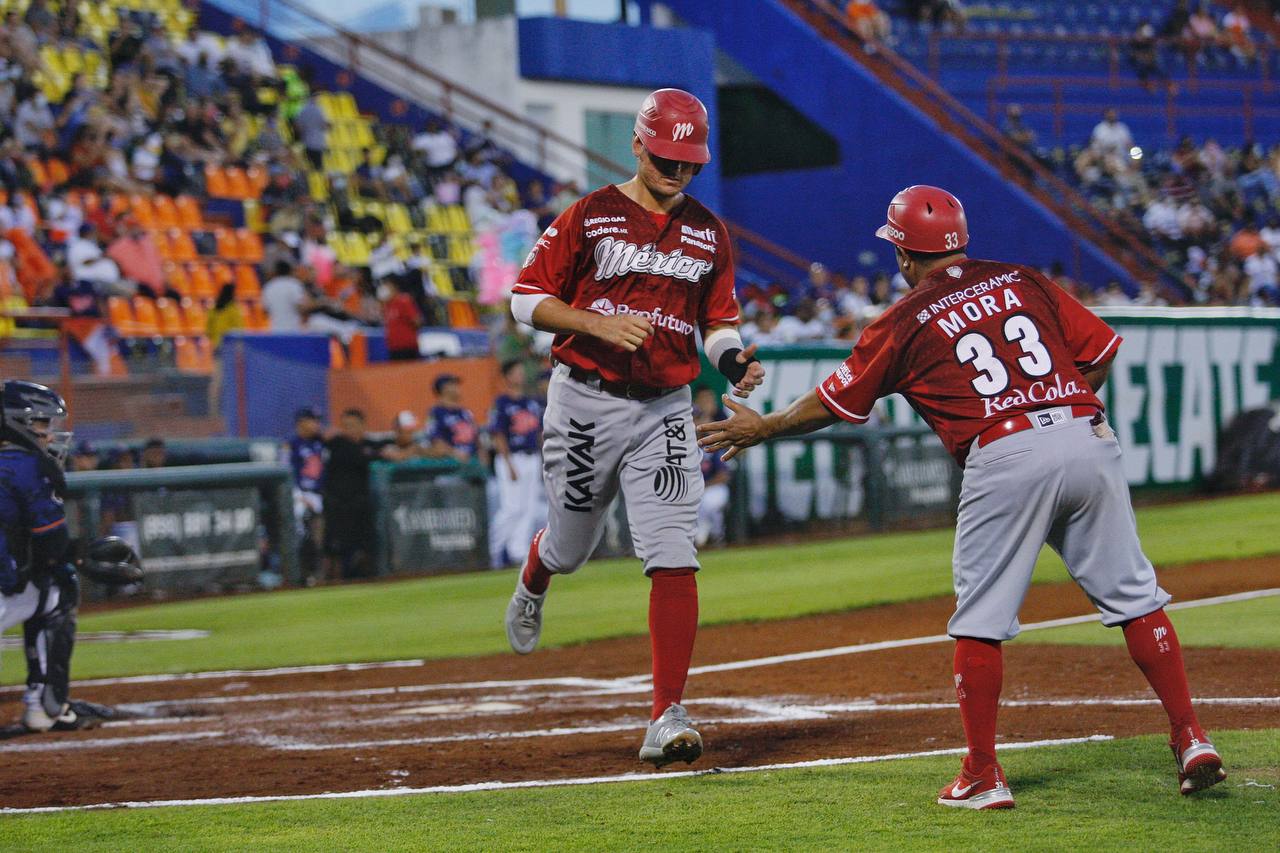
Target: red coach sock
{"type": "Point", "coordinates": [1153, 645]}
{"type": "Point", "coordinates": [535, 577]}
{"type": "Point", "coordinates": [979, 668]}
{"type": "Point", "coordinates": [673, 623]}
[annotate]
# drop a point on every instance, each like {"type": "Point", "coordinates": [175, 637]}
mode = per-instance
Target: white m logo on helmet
{"type": "Point", "coordinates": [681, 130]}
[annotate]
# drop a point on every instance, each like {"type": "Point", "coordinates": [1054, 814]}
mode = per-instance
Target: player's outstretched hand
{"type": "Point", "coordinates": [628, 331]}
{"type": "Point", "coordinates": [754, 375]}
{"type": "Point", "coordinates": [743, 429]}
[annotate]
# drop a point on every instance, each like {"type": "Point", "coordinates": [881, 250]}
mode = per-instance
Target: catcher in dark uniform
{"type": "Point", "coordinates": [39, 585]}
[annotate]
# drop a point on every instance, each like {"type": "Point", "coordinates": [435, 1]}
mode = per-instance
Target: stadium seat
{"type": "Point", "coordinates": [222, 273]}
{"type": "Point", "coordinates": [228, 249]}
{"type": "Point", "coordinates": [39, 174]}
{"type": "Point", "coordinates": [215, 182]}
{"type": "Point", "coordinates": [185, 357]}
{"type": "Point", "coordinates": [255, 318]}
{"type": "Point", "coordinates": [169, 318]}
{"type": "Point", "coordinates": [194, 316]}
{"type": "Point", "coordinates": [120, 316]}
{"type": "Point", "coordinates": [189, 216]}
{"type": "Point", "coordinates": [165, 211]}
{"type": "Point", "coordinates": [202, 286]}
{"type": "Point", "coordinates": [175, 275]}
{"type": "Point", "coordinates": [181, 247]}
{"type": "Point", "coordinates": [58, 172]}
{"type": "Point", "coordinates": [140, 207]}
{"type": "Point", "coordinates": [247, 284]}
{"type": "Point", "coordinates": [238, 185]}
{"type": "Point", "coordinates": [462, 315]}
{"type": "Point", "coordinates": [249, 245]}
{"type": "Point", "coordinates": [258, 179]}
{"type": "Point", "coordinates": [146, 318]}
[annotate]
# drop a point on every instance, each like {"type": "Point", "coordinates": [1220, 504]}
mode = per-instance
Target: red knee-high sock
{"type": "Point", "coordinates": [535, 576]}
{"type": "Point", "coordinates": [673, 623]}
{"type": "Point", "coordinates": [1153, 645]}
{"type": "Point", "coordinates": [979, 668]}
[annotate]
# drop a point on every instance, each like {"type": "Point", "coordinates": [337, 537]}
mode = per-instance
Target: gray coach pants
{"type": "Point", "coordinates": [594, 443]}
{"type": "Point", "coordinates": [1062, 484]}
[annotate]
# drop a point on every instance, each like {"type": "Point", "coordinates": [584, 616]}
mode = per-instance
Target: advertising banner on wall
{"type": "Point", "coordinates": [193, 540]}
{"type": "Point", "coordinates": [437, 525]}
{"type": "Point", "coordinates": [1179, 377]}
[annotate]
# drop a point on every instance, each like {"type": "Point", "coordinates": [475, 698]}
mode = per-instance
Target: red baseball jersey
{"type": "Point", "coordinates": [608, 254]}
{"type": "Point", "coordinates": [972, 344]}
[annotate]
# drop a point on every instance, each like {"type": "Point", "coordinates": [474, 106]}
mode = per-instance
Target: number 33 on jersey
{"type": "Point", "coordinates": [973, 343]}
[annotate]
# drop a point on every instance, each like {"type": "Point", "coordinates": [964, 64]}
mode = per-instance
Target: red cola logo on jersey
{"type": "Point", "coordinates": [1037, 392]}
{"type": "Point", "coordinates": [616, 257]}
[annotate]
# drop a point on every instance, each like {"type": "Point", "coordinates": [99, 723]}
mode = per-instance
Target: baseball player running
{"type": "Point", "coordinates": [1005, 367]}
{"type": "Point", "coordinates": [624, 278]}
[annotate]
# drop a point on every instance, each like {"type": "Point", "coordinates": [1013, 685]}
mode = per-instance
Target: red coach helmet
{"type": "Point", "coordinates": [926, 219]}
{"type": "Point", "coordinates": [673, 124]}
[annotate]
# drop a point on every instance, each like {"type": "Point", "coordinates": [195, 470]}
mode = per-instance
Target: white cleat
{"type": "Point", "coordinates": [671, 737]}
{"type": "Point", "coordinates": [524, 619]}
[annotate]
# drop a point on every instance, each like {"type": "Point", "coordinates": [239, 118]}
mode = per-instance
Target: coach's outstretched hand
{"type": "Point", "coordinates": [754, 375]}
{"type": "Point", "coordinates": [628, 331]}
{"type": "Point", "coordinates": [743, 429]}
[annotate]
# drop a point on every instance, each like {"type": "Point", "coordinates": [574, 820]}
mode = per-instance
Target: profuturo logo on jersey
{"type": "Point", "coordinates": [616, 257]}
{"type": "Point", "coordinates": [656, 317]}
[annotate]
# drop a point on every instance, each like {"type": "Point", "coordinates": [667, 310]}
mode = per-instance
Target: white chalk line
{"type": "Point", "coordinates": [146, 636]}
{"type": "Point", "coordinates": [550, 783]}
{"type": "Point", "coordinates": [756, 711]}
{"type": "Point", "coordinates": [624, 682]}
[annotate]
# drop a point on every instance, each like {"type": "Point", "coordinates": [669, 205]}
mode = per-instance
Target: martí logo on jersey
{"type": "Point", "coordinates": [616, 257]}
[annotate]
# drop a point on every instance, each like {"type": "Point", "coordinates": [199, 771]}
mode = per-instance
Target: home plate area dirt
{"type": "Point", "coordinates": [581, 711]}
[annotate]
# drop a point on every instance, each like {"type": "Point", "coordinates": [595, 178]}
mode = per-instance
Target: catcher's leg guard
{"type": "Point", "coordinates": [48, 639]}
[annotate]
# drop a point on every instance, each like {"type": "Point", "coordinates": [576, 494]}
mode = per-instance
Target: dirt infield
{"type": "Point", "coordinates": [580, 711]}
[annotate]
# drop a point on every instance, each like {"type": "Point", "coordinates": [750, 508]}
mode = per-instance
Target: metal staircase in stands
{"type": "Point", "coordinates": [1013, 164]}
{"type": "Point", "coordinates": [532, 143]}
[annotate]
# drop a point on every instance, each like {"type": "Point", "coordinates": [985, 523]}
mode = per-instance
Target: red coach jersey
{"type": "Point", "coordinates": [608, 254]}
{"type": "Point", "coordinates": [972, 344]}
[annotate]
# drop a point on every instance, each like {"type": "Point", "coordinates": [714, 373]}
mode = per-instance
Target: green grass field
{"type": "Point", "coordinates": [1119, 795]}
{"type": "Point", "coordinates": [1241, 624]}
{"type": "Point", "coordinates": [462, 614]}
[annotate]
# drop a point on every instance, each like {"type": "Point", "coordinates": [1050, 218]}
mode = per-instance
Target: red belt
{"type": "Point", "coordinates": [1021, 422]}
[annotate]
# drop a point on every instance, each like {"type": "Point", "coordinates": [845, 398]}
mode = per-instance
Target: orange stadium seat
{"type": "Point", "coordinates": [222, 274]}
{"type": "Point", "coordinates": [120, 315]}
{"type": "Point", "coordinates": [255, 318]}
{"type": "Point", "coordinates": [258, 179]}
{"type": "Point", "coordinates": [39, 174]}
{"type": "Point", "coordinates": [176, 277]}
{"type": "Point", "coordinates": [161, 239]}
{"type": "Point", "coordinates": [189, 216]}
{"type": "Point", "coordinates": [215, 182]}
{"type": "Point", "coordinates": [204, 354]}
{"type": "Point", "coordinates": [238, 185]}
{"type": "Point", "coordinates": [202, 286]}
{"type": "Point", "coordinates": [58, 172]}
{"type": "Point", "coordinates": [140, 207]}
{"type": "Point", "coordinates": [194, 316]}
{"type": "Point", "coordinates": [181, 246]}
{"type": "Point", "coordinates": [185, 357]}
{"type": "Point", "coordinates": [247, 284]}
{"type": "Point", "coordinates": [250, 245]}
{"type": "Point", "coordinates": [145, 317]}
{"type": "Point", "coordinates": [169, 317]}
{"type": "Point", "coordinates": [166, 212]}
{"type": "Point", "coordinates": [228, 248]}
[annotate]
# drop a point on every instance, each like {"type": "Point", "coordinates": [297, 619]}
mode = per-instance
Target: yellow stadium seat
{"type": "Point", "coordinates": [444, 284]}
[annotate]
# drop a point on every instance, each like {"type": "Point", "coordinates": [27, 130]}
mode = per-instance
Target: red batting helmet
{"type": "Point", "coordinates": [673, 124]}
{"type": "Point", "coordinates": [925, 219]}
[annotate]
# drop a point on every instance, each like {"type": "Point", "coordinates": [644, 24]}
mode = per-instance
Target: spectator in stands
{"type": "Point", "coordinates": [1263, 275]}
{"type": "Point", "coordinates": [313, 129]}
{"type": "Point", "coordinates": [451, 429]}
{"type": "Point", "coordinates": [225, 316]}
{"type": "Point", "coordinates": [154, 453]}
{"type": "Point", "coordinates": [1202, 29]}
{"type": "Point", "coordinates": [803, 324]}
{"type": "Point", "coordinates": [1144, 56]}
{"type": "Point", "coordinates": [763, 330]}
{"type": "Point", "coordinates": [305, 455]}
{"type": "Point", "coordinates": [251, 55]}
{"type": "Point", "coordinates": [85, 457]}
{"type": "Point", "coordinates": [405, 444]}
{"type": "Point", "coordinates": [402, 319]}
{"type": "Point", "coordinates": [138, 259]}
{"type": "Point", "coordinates": [515, 430]}
{"type": "Point", "coordinates": [15, 215]}
{"type": "Point", "coordinates": [23, 45]}
{"type": "Point", "coordinates": [1237, 35]}
{"type": "Point", "coordinates": [348, 517]}
{"type": "Point", "coordinates": [437, 147]}
{"type": "Point", "coordinates": [286, 300]}
{"type": "Point", "coordinates": [1161, 217]}
{"type": "Point", "coordinates": [88, 262]}
{"type": "Point", "coordinates": [33, 119]}
{"type": "Point", "coordinates": [868, 22]}
{"type": "Point", "coordinates": [1017, 130]}
{"type": "Point", "coordinates": [1177, 21]}
{"type": "Point", "coordinates": [367, 178]}
{"type": "Point", "coordinates": [1111, 137]}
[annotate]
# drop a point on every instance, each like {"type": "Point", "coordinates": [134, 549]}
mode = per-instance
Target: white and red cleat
{"type": "Point", "coordinates": [1199, 764]}
{"type": "Point", "coordinates": [987, 790]}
